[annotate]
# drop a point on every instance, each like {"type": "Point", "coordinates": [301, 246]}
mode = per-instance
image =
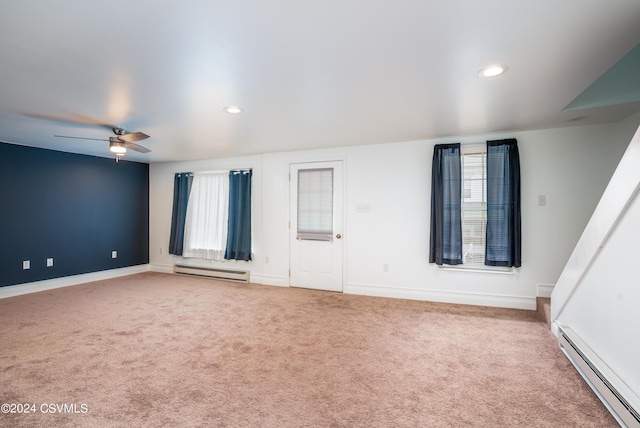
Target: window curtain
{"type": "Point", "coordinates": [446, 188]}
{"type": "Point", "coordinates": [205, 233]}
{"type": "Point", "coordinates": [239, 225]}
{"type": "Point", "coordinates": [181, 189]}
{"type": "Point", "coordinates": [503, 243]}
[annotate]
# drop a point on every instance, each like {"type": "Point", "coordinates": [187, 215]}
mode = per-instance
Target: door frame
{"type": "Point", "coordinates": [345, 232]}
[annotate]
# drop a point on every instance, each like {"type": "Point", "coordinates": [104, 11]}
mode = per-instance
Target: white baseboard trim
{"type": "Point", "coordinates": [49, 284]}
{"type": "Point", "coordinates": [456, 297]}
{"type": "Point", "coordinates": [502, 301]}
{"type": "Point", "coordinates": [161, 268]}
{"type": "Point", "coordinates": [554, 328]}
{"type": "Point", "coordinates": [280, 281]}
{"type": "Point", "coordinates": [544, 290]}
{"type": "Point", "coordinates": [255, 279]}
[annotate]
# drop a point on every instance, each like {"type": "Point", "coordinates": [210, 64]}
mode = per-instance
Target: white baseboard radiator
{"type": "Point", "coordinates": [225, 274]}
{"type": "Point", "coordinates": [623, 403]}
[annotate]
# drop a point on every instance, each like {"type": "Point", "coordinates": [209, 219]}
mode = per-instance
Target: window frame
{"type": "Point", "coordinates": [469, 149]}
{"type": "Point", "coordinates": [315, 204]}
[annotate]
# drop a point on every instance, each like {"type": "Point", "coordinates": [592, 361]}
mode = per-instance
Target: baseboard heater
{"type": "Point", "coordinates": [226, 274]}
{"type": "Point", "coordinates": [612, 391]}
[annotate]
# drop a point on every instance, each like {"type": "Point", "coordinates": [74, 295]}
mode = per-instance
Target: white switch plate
{"type": "Point", "coordinates": [50, 262]}
{"type": "Point", "coordinates": [542, 200]}
{"type": "Point", "coordinates": [363, 208]}
{"type": "Point", "coordinates": [26, 265]}
{"type": "Point", "coordinates": [114, 254]}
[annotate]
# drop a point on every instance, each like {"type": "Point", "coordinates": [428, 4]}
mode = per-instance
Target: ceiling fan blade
{"type": "Point", "coordinates": [80, 138]}
{"type": "Point", "coordinates": [73, 119]}
{"type": "Point", "coordinates": [133, 137]}
{"type": "Point", "coordinates": [137, 148]}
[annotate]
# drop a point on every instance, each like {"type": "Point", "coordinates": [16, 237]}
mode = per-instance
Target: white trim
{"type": "Point", "coordinates": [473, 148]}
{"type": "Point", "coordinates": [278, 281]}
{"type": "Point", "coordinates": [544, 290]}
{"type": "Point", "coordinates": [455, 297]}
{"type": "Point", "coordinates": [50, 284]}
{"type": "Point", "coordinates": [255, 279]}
{"type": "Point", "coordinates": [478, 269]}
{"type": "Point", "coordinates": [161, 268]}
{"type": "Point", "coordinates": [555, 328]}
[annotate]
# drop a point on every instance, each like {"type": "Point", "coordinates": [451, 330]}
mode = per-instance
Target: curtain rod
{"type": "Point", "coordinates": [484, 143]}
{"type": "Point", "coordinates": [223, 171]}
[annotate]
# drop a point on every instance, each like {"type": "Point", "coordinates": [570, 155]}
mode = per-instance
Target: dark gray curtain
{"type": "Point", "coordinates": [239, 227]}
{"type": "Point", "coordinates": [181, 189]}
{"type": "Point", "coordinates": [446, 188]}
{"type": "Point", "coordinates": [503, 243]}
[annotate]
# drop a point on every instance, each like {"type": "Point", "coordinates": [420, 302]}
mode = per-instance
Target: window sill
{"type": "Point", "coordinates": [480, 269]}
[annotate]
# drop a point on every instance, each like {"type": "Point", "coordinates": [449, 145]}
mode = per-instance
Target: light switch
{"type": "Point", "coordinates": [363, 208]}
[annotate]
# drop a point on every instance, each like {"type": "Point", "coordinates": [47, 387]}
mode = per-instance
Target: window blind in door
{"type": "Point", "coordinates": [315, 204]}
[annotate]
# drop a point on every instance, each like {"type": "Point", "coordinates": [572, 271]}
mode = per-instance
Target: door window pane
{"type": "Point", "coordinates": [315, 204]}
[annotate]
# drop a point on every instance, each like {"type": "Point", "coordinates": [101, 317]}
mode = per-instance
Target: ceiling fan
{"type": "Point", "coordinates": [119, 144]}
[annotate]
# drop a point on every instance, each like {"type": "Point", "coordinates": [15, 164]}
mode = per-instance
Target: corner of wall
{"type": "Point", "coordinates": [622, 187]}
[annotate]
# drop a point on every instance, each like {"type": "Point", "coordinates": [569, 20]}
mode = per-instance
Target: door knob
{"type": "Point", "coordinates": [338, 236]}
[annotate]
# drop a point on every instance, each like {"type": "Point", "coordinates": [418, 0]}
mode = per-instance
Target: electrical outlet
{"type": "Point", "coordinates": [26, 265]}
{"type": "Point", "coordinates": [50, 262]}
{"type": "Point", "coordinates": [385, 268]}
{"type": "Point", "coordinates": [114, 254]}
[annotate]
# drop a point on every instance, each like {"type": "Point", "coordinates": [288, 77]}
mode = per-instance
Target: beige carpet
{"type": "Point", "coordinates": [165, 350]}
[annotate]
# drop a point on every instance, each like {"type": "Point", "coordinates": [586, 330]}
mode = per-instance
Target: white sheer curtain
{"type": "Point", "coordinates": [205, 230]}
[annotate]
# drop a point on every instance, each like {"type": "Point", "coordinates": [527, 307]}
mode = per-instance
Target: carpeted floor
{"type": "Point", "coordinates": [165, 350]}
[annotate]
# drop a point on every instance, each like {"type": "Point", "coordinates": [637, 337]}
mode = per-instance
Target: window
{"type": "Point", "coordinates": [217, 216]}
{"type": "Point", "coordinates": [474, 204]}
{"type": "Point", "coordinates": [205, 231]}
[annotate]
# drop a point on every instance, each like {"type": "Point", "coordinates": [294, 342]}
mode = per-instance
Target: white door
{"type": "Point", "coordinates": [316, 226]}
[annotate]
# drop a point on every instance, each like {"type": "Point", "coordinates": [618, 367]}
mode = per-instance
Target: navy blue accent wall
{"type": "Point", "coordinates": [73, 208]}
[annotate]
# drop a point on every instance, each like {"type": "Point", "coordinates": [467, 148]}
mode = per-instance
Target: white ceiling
{"type": "Point", "coordinates": [308, 74]}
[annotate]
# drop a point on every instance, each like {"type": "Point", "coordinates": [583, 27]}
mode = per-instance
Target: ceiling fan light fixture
{"type": "Point", "coordinates": [118, 147]}
{"type": "Point", "coordinates": [494, 70]}
{"type": "Point", "coordinates": [233, 109]}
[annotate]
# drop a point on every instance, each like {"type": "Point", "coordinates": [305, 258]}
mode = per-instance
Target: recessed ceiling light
{"type": "Point", "coordinates": [233, 109]}
{"type": "Point", "coordinates": [493, 70]}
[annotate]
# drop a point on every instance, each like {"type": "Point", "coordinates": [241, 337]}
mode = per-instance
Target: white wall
{"type": "Point", "coordinates": [571, 166]}
{"type": "Point", "coordinates": [598, 293]}
{"type": "Point", "coordinates": [603, 310]}
{"type": "Point", "coordinates": [161, 203]}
